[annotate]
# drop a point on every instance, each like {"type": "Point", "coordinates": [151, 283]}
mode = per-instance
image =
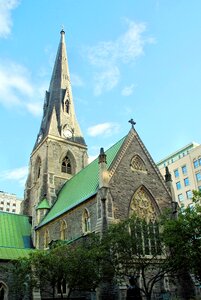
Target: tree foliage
{"type": "Point", "coordinates": [182, 235]}
{"type": "Point", "coordinates": [76, 264]}
{"type": "Point", "coordinates": [135, 249]}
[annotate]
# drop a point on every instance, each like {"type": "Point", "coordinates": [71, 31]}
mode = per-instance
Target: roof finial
{"type": "Point", "coordinates": [132, 122]}
{"type": "Point", "coordinates": [62, 29]}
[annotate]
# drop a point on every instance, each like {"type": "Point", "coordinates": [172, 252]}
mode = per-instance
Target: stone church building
{"type": "Point", "coordinates": [64, 194]}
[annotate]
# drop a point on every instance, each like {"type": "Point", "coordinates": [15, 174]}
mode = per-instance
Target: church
{"type": "Point", "coordinates": [64, 194]}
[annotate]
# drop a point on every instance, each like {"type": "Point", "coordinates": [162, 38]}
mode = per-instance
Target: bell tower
{"type": "Point", "coordinates": [60, 150]}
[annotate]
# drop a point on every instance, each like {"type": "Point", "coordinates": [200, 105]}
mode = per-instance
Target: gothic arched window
{"type": "Point", "coordinates": [38, 168]}
{"type": "Point", "coordinates": [66, 165]}
{"type": "Point", "coordinates": [3, 291]}
{"type": "Point", "coordinates": [67, 106]}
{"type": "Point", "coordinates": [138, 164]}
{"type": "Point", "coordinates": [63, 230]}
{"type": "Point", "coordinates": [86, 223]}
{"type": "Point", "coordinates": [142, 205]}
{"type": "Point", "coordinates": [46, 238]}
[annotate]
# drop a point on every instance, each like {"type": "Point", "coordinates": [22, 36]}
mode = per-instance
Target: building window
{"type": "Point", "coordinates": [7, 209]}
{"type": "Point", "coordinates": [1, 208]}
{"type": "Point", "coordinates": [2, 202]}
{"type": "Point", "coordinates": [86, 223]}
{"type": "Point", "coordinates": [63, 229]}
{"type": "Point", "coordinates": [8, 203]}
{"type": "Point", "coordinates": [137, 164]}
{"type": "Point", "coordinates": [37, 168]}
{"type": "Point", "coordinates": [178, 185]}
{"type": "Point", "coordinates": [198, 176]}
{"type": "Point", "coordinates": [184, 169]}
{"type": "Point", "coordinates": [176, 173]}
{"type": "Point", "coordinates": [186, 181]}
{"type": "Point", "coordinates": [67, 105]}
{"type": "Point", "coordinates": [13, 210]}
{"type": "Point", "coordinates": [46, 238]}
{"type": "Point", "coordinates": [195, 163]}
{"type": "Point", "coordinates": [66, 166]}
{"type": "Point", "coordinates": [189, 194]}
{"type": "Point", "coordinates": [14, 204]}
{"type": "Point", "coordinates": [180, 197]}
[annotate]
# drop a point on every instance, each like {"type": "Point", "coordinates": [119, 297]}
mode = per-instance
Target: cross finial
{"type": "Point", "coordinates": [132, 122]}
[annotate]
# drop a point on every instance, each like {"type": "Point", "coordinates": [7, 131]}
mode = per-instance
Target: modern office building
{"type": "Point", "coordinates": [9, 203]}
{"type": "Point", "coordinates": [185, 168]}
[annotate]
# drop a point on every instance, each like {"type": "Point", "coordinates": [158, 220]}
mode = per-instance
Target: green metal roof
{"type": "Point", "coordinates": [43, 204]}
{"type": "Point", "coordinates": [81, 186]}
{"type": "Point", "coordinates": [15, 235]}
{"type": "Point", "coordinates": [12, 253]}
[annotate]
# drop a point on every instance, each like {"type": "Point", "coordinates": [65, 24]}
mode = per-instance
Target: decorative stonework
{"type": "Point", "coordinates": [142, 205]}
{"type": "Point", "coordinates": [137, 164]}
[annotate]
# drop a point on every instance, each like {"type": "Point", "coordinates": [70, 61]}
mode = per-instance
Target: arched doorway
{"type": "Point", "coordinates": [3, 291]}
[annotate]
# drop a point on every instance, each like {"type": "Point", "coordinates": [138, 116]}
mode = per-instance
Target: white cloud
{"type": "Point", "coordinates": [19, 175]}
{"type": "Point", "coordinates": [6, 6]}
{"type": "Point", "coordinates": [128, 90]}
{"type": "Point", "coordinates": [76, 80]}
{"type": "Point", "coordinates": [17, 88]}
{"type": "Point", "coordinates": [106, 80]}
{"type": "Point", "coordinates": [106, 129]}
{"type": "Point", "coordinates": [108, 56]}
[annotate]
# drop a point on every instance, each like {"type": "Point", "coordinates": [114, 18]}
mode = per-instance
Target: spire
{"type": "Point", "coordinates": [58, 111]}
{"type": "Point", "coordinates": [60, 76]}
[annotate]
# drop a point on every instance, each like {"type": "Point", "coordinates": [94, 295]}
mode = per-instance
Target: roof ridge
{"type": "Point", "coordinates": [13, 214]}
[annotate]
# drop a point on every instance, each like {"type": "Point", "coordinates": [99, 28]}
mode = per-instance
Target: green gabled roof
{"type": "Point", "coordinates": [81, 186]}
{"type": "Point", "coordinates": [15, 234]}
{"type": "Point", "coordinates": [43, 204]}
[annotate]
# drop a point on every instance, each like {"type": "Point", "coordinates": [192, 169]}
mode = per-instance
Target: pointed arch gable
{"type": "Point", "coordinates": [144, 205]}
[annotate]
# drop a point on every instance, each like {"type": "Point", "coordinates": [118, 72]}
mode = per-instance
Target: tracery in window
{"type": "Point", "coordinates": [138, 164]}
{"type": "Point", "coordinates": [46, 238]}
{"type": "Point", "coordinates": [147, 237]}
{"type": "Point", "coordinates": [142, 205]}
{"type": "Point", "coordinates": [86, 223]}
{"type": "Point", "coordinates": [63, 230]}
{"type": "Point", "coordinates": [66, 165]}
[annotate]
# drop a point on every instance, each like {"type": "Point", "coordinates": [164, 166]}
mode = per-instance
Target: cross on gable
{"type": "Point", "coordinates": [132, 122]}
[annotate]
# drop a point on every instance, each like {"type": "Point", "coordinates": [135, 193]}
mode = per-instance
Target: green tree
{"type": "Point", "coordinates": [77, 264]}
{"type": "Point", "coordinates": [183, 238]}
{"type": "Point", "coordinates": [135, 249]}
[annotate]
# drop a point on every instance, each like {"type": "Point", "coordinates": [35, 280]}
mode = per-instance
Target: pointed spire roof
{"type": "Point", "coordinates": [58, 104]}
{"type": "Point", "coordinates": [60, 76]}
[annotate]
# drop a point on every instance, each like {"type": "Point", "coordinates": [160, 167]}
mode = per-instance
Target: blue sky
{"type": "Point", "coordinates": [139, 59]}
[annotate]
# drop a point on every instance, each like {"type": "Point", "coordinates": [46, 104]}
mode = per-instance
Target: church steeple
{"type": "Point", "coordinates": [60, 150]}
{"type": "Point", "coordinates": [58, 112]}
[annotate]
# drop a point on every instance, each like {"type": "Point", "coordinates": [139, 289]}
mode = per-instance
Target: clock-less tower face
{"type": "Point", "coordinates": [67, 132]}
